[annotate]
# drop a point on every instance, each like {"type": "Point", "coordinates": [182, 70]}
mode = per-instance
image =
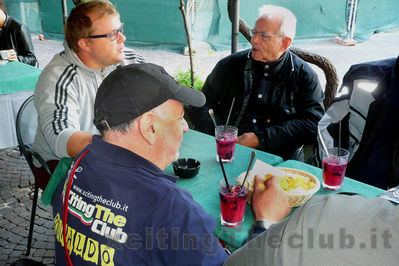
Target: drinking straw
{"type": "Point", "coordinates": [322, 141]}
{"type": "Point", "coordinates": [210, 111]}
{"type": "Point", "coordinates": [339, 138]}
{"type": "Point", "coordinates": [224, 173]}
{"type": "Point", "coordinates": [249, 167]}
{"type": "Point", "coordinates": [231, 108]}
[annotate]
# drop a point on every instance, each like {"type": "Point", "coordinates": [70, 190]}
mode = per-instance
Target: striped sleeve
{"type": "Point", "coordinates": [60, 114]}
{"type": "Point", "coordinates": [132, 57]}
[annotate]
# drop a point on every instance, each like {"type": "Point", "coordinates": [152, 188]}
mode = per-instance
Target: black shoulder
{"type": "Point", "coordinates": [234, 61]}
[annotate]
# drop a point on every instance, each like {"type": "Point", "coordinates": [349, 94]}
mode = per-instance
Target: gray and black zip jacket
{"type": "Point", "coordinates": [64, 100]}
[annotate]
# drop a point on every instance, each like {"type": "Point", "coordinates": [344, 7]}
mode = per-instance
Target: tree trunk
{"type": "Point", "coordinates": [188, 42]}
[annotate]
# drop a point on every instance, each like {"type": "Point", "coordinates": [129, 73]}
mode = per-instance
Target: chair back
{"type": "Point", "coordinates": [27, 122]}
{"type": "Point", "coordinates": [26, 125]}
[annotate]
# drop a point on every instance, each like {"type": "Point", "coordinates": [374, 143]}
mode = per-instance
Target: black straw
{"type": "Point", "coordinates": [224, 173]}
{"type": "Point", "coordinates": [339, 138]}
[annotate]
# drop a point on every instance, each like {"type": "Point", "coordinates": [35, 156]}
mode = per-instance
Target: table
{"type": "Point", "coordinates": [17, 83]}
{"type": "Point", "coordinates": [204, 187]}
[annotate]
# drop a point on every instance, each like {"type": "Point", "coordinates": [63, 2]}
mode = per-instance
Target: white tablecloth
{"type": "Point", "coordinates": [9, 106]}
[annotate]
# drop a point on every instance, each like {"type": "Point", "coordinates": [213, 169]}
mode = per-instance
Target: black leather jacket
{"type": "Point", "coordinates": [15, 35]}
{"type": "Point", "coordinates": [291, 120]}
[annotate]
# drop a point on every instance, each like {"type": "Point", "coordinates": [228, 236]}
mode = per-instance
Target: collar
{"type": "Point", "coordinates": [121, 156]}
{"type": "Point", "coordinates": [271, 68]}
{"type": "Point", "coordinates": [73, 58]}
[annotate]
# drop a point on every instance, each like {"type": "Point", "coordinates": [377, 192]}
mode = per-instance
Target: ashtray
{"type": "Point", "coordinates": [186, 167]}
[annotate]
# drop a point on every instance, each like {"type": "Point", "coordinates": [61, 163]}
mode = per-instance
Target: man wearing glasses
{"type": "Point", "coordinates": [65, 93]}
{"type": "Point", "coordinates": [278, 97]}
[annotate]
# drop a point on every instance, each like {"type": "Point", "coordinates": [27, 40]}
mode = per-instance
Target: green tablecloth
{"type": "Point", "coordinates": [349, 185]}
{"type": "Point", "coordinates": [17, 76]}
{"type": "Point", "coordinates": [205, 186]}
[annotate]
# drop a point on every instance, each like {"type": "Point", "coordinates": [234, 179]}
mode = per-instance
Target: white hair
{"type": "Point", "coordinates": [288, 19]}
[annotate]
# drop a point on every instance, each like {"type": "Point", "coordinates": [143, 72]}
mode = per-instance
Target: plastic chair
{"type": "Point", "coordinates": [23, 124]}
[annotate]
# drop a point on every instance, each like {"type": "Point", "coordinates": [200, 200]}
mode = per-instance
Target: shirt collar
{"type": "Point", "coordinates": [122, 156]}
{"type": "Point", "coordinates": [270, 67]}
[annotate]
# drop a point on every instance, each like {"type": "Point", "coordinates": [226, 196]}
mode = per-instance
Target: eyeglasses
{"type": "Point", "coordinates": [263, 35]}
{"type": "Point", "coordinates": [111, 36]}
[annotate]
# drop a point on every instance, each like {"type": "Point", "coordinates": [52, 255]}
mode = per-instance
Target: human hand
{"type": "Point", "coordinates": [269, 201]}
{"type": "Point", "coordinates": [12, 55]}
{"type": "Point", "coordinates": [248, 139]}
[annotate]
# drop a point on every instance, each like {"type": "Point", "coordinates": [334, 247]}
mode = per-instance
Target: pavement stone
{"type": "Point", "coordinates": [15, 206]}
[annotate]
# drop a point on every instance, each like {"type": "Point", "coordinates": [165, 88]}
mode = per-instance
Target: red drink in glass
{"type": "Point", "coordinates": [226, 138]}
{"type": "Point", "coordinates": [333, 172]}
{"type": "Point", "coordinates": [225, 149]}
{"type": "Point", "coordinates": [334, 167]}
{"type": "Point", "coordinates": [232, 204]}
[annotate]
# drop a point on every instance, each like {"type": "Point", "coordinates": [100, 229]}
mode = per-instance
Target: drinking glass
{"type": "Point", "coordinates": [334, 167]}
{"type": "Point", "coordinates": [226, 138]}
{"type": "Point", "coordinates": [233, 200]}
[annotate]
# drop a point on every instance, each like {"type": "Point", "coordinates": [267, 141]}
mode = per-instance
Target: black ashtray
{"type": "Point", "coordinates": [186, 167]}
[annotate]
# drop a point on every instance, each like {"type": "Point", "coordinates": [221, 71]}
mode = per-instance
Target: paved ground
{"type": "Point", "coordinates": [15, 177]}
{"type": "Point", "coordinates": [15, 205]}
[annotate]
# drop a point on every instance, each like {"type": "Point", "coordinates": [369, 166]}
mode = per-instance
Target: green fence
{"type": "Point", "coordinates": [375, 16]}
{"type": "Point", "coordinates": [51, 13]}
{"type": "Point", "coordinates": [159, 23]}
{"type": "Point", "coordinates": [315, 19]}
{"type": "Point", "coordinates": [27, 12]}
{"type": "Point", "coordinates": [148, 23]}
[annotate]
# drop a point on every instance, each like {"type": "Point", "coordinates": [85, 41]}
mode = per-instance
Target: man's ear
{"type": "Point", "coordinates": [286, 43]}
{"type": "Point", "coordinates": [83, 44]}
{"type": "Point", "coordinates": [146, 127]}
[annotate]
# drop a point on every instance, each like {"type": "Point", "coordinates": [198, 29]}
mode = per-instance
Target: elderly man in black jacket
{"type": "Point", "coordinates": [278, 97]}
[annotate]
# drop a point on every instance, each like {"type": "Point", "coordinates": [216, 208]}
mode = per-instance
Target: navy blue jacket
{"type": "Point", "coordinates": [124, 209]}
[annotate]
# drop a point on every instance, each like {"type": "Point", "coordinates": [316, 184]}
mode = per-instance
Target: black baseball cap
{"type": "Point", "coordinates": [130, 91]}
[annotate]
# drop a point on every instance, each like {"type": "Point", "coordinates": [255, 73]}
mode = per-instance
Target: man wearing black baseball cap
{"type": "Point", "coordinates": [134, 213]}
{"type": "Point", "coordinates": [126, 210]}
